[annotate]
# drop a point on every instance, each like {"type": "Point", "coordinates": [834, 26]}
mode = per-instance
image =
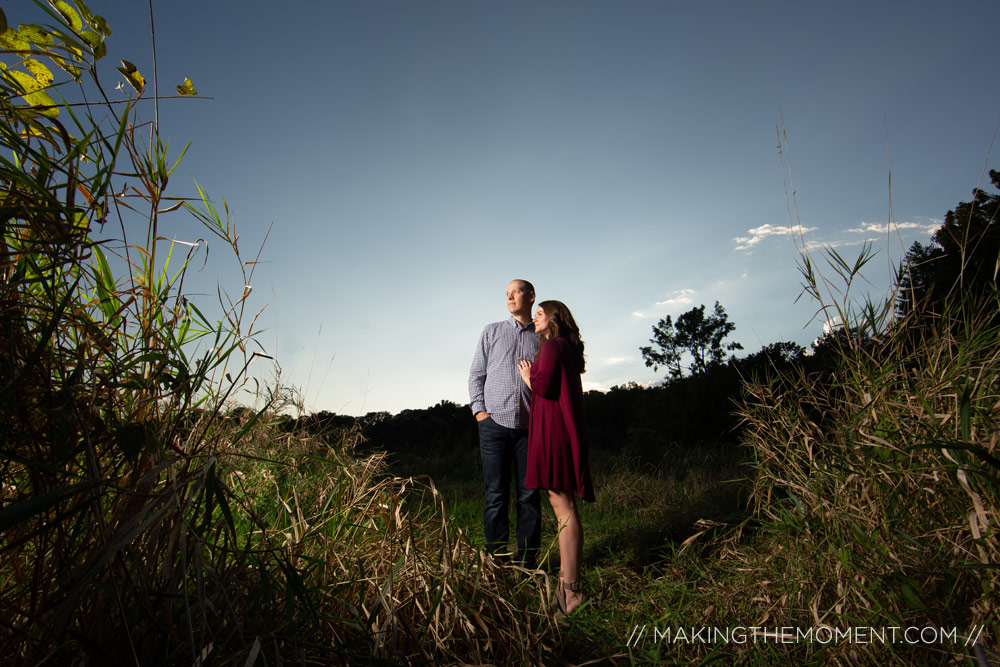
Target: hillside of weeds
{"type": "Point", "coordinates": [876, 486]}
{"type": "Point", "coordinates": [861, 499]}
{"type": "Point", "coordinates": [142, 521]}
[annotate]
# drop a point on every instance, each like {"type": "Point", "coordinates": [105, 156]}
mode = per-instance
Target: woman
{"type": "Point", "coordinates": [557, 439]}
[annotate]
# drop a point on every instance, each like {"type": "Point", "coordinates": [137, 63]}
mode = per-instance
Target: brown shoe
{"type": "Point", "coordinates": [574, 586]}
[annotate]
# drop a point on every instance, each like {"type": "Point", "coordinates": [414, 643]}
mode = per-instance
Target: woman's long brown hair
{"type": "Point", "coordinates": [562, 325]}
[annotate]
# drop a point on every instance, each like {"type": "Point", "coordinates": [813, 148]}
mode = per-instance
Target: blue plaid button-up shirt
{"type": "Point", "coordinates": [495, 384]}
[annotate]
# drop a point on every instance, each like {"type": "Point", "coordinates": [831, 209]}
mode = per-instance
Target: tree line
{"type": "Point", "coordinates": [694, 403]}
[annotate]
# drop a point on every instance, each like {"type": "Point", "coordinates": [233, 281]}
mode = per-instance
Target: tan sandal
{"type": "Point", "coordinates": [575, 587]}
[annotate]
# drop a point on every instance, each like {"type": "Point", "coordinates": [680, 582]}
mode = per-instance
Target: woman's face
{"type": "Point", "coordinates": [541, 321]}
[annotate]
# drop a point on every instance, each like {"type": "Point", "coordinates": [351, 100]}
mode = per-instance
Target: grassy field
{"type": "Point", "coordinates": [858, 501]}
{"type": "Point", "coordinates": [145, 519]}
{"type": "Point", "coordinates": [650, 502]}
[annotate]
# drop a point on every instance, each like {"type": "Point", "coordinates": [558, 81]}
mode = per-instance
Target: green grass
{"type": "Point", "coordinates": [648, 504]}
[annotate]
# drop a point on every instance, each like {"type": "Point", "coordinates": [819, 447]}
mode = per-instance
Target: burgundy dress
{"type": "Point", "coordinates": [557, 435]}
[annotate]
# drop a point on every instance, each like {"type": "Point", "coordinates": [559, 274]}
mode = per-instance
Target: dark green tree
{"type": "Point", "coordinates": [962, 255]}
{"type": "Point", "coordinates": [699, 336]}
{"type": "Point", "coordinates": [771, 358]}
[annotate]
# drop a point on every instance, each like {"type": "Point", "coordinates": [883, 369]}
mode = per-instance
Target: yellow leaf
{"type": "Point", "coordinates": [13, 41]}
{"type": "Point", "coordinates": [29, 84]}
{"type": "Point", "coordinates": [32, 131]}
{"type": "Point", "coordinates": [42, 104]}
{"type": "Point", "coordinates": [68, 13]}
{"type": "Point", "coordinates": [40, 72]}
{"type": "Point", "coordinates": [70, 68]}
{"type": "Point", "coordinates": [34, 95]}
{"type": "Point", "coordinates": [187, 88]}
{"type": "Point", "coordinates": [132, 76]}
{"type": "Point", "coordinates": [35, 34]}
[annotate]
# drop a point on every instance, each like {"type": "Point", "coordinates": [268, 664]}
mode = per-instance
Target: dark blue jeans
{"type": "Point", "coordinates": [500, 449]}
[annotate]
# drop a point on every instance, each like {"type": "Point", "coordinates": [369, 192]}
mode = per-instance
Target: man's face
{"type": "Point", "coordinates": [518, 300]}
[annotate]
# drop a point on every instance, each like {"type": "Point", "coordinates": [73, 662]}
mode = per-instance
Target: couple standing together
{"type": "Point", "coordinates": [527, 397]}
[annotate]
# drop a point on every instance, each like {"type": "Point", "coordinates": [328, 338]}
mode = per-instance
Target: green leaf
{"type": "Point", "coordinates": [96, 43]}
{"type": "Point", "coordinates": [964, 413]}
{"type": "Point", "coordinates": [3, 21]}
{"type": "Point", "coordinates": [104, 284]}
{"type": "Point", "coordinates": [101, 26]}
{"type": "Point", "coordinates": [860, 535]}
{"type": "Point", "coordinates": [216, 490]}
{"type": "Point", "coordinates": [187, 88]}
{"type": "Point", "coordinates": [911, 597]}
{"type": "Point", "coordinates": [93, 20]}
{"type": "Point", "coordinates": [68, 13]}
{"type": "Point", "coordinates": [91, 38]}
{"type": "Point", "coordinates": [35, 34]}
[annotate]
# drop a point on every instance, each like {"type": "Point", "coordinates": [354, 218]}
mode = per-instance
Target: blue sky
{"type": "Point", "coordinates": [414, 157]}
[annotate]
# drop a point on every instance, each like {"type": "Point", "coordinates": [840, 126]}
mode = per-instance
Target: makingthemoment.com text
{"type": "Point", "coordinates": [822, 634]}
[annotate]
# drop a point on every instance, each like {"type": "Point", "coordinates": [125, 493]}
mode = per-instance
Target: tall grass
{"type": "Point", "coordinates": [883, 473]}
{"type": "Point", "coordinates": [380, 571]}
{"type": "Point", "coordinates": [141, 519]}
{"type": "Point", "coordinates": [876, 485]}
{"type": "Point", "coordinates": [878, 477]}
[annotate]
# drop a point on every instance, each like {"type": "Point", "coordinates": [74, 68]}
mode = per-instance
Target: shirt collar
{"type": "Point", "coordinates": [530, 326]}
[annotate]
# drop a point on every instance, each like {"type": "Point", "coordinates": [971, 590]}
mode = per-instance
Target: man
{"type": "Point", "coordinates": [500, 402]}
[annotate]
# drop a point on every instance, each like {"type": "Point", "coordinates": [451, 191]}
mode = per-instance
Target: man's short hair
{"type": "Point", "coordinates": [525, 285]}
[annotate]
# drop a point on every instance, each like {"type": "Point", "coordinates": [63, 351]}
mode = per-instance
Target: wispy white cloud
{"type": "Point", "coordinates": [884, 228]}
{"type": "Point", "coordinates": [610, 361]}
{"type": "Point", "coordinates": [758, 234]}
{"type": "Point", "coordinates": [874, 232]}
{"type": "Point", "coordinates": [820, 245]}
{"type": "Point", "coordinates": [594, 386]}
{"type": "Point", "coordinates": [679, 298]}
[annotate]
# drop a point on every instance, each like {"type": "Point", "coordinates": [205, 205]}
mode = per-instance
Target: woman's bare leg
{"type": "Point", "coordinates": [570, 542]}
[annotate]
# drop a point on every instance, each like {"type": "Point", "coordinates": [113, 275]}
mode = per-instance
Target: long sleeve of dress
{"type": "Point", "coordinates": [557, 436]}
{"type": "Point", "coordinates": [545, 376]}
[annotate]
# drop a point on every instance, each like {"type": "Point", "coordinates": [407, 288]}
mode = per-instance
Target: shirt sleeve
{"type": "Point", "coordinates": [477, 376]}
{"type": "Point", "coordinates": [545, 371]}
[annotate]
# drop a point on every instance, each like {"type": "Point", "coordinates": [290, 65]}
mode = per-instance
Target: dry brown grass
{"type": "Point", "coordinates": [884, 474]}
{"type": "Point", "coordinates": [386, 574]}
